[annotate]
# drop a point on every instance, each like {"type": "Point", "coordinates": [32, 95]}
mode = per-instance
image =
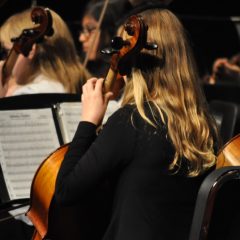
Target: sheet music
{"type": "Point", "coordinates": [69, 114]}
{"type": "Point", "coordinates": [27, 137]}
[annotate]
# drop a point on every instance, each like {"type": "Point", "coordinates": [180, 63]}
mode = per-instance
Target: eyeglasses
{"type": "Point", "coordinates": [86, 31]}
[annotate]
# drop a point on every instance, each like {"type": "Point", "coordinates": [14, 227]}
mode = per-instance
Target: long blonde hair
{"type": "Point", "coordinates": [167, 77]}
{"type": "Point", "coordinates": [56, 56]}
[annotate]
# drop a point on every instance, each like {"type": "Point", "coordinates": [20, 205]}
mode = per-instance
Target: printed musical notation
{"type": "Point", "coordinates": [27, 137]}
{"type": "Point", "coordinates": [69, 114]}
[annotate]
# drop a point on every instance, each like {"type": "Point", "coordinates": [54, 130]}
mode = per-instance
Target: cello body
{"type": "Point", "coordinates": [86, 220]}
{"type": "Point", "coordinates": [229, 155]}
{"type": "Point", "coordinates": [45, 179]}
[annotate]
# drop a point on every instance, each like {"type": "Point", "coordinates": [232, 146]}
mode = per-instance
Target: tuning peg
{"type": "Point", "coordinates": [15, 39]}
{"type": "Point", "coordinates": [37, 19]}
{"type": "Point", "coordinates": [29, 32]}
{"type": "Point", "coordinates": [117, 43]}
{"type": "Point", "coordinates": [151, 46]}
{"type": "Point", "coordinates": [129, 28]}
{"type": "Point", "coordinates": [109, 51]}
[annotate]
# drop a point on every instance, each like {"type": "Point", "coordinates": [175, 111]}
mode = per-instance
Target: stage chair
{"type": "Point", "coordinates": [216, 215]}
{"type": "Point", "coordinates": [225, 114]}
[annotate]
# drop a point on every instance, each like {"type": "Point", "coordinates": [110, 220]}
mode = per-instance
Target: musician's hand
{"type": "Point", "coordinates": [94, 102]}
{"type": "Point", "coordinates": [224, 70]}
{"type": "Point", "coordinates": [230, 67]}
{"type": "Point", "coordinates": [219, 65]}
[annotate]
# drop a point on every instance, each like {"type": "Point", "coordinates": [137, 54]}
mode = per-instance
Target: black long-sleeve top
{"type": "Point", "coordinates": [149, 202]}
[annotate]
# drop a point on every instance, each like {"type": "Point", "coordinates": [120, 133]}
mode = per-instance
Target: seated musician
{"type": "Point", "coordinates": [52, 65]}
{"type": "Point", "coordinates": [158, 146]}
{"type": "Point", "coordinates": [226, 71]}
{"type": "Point", "coordinates": [92, 39]}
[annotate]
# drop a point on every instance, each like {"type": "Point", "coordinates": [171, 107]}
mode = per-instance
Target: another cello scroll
{"type": "Point", "coordinates": [41, 17]}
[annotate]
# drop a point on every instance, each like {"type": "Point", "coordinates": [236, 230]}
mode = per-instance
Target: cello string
{"type": "Point", "coordinates": [96, 32]}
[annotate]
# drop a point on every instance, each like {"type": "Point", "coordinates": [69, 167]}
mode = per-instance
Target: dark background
{"type": "Point", "coordinates": [72, 10]}
{"type": "Point", "coordinates": [69, 10]}
{"type": "Point", "coordinates": [209, 25]}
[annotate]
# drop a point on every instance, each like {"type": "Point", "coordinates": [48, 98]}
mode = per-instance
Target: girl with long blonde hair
{"type": "Point", "coordinates": [171, 85]}
{"type": "Point", "coordinates": [159, 145]}
{"type": "Point", "coordinates": [51, 66]}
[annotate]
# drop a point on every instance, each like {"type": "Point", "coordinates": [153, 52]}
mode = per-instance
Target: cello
{"type": "Point", "coordinates": [50, 220]}
{"type": "Point", "coordinates": [229, 154]}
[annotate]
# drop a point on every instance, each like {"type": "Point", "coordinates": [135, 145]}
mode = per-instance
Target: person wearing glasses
{"type": "Point", "coordinates": [225, 71]}
{"type": "Point", "coordinates": [94, 39]}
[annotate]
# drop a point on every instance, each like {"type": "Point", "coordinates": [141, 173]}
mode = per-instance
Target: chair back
{"type": "Point", "coordinates": [216, 214]}
{"type": "Point", "coordinates": [225, 114]}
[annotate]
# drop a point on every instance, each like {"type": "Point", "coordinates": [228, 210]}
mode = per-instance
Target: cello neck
{"type": "Point", "coordinates": [113, 82]}
{"type": "Point", "coordinates": [8, 66]}
{"type": "Point", "coordinates": [109, 80]}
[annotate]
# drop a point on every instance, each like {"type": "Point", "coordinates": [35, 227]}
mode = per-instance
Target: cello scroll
{"type": "Point", "coordinates": [41, 17]}
{"type": "Point", "coordinates": [124, 50]}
